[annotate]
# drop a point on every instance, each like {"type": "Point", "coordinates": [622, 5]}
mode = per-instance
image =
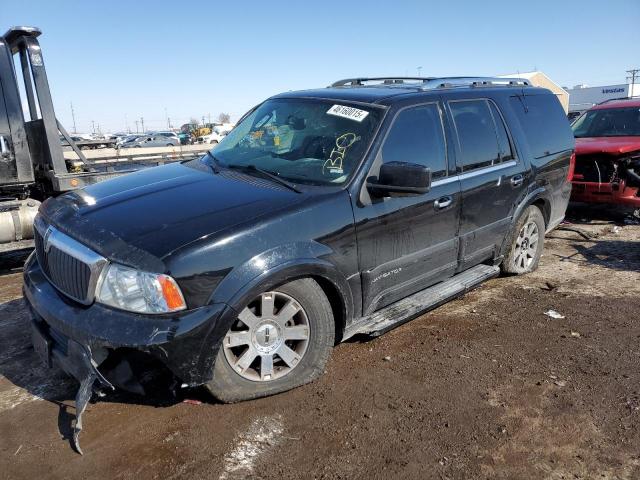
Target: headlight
{"type": "Point", "coordinates": [136, 291]}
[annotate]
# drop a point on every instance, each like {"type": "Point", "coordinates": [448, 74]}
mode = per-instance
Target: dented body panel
{"type": "Point", "coordinates": [607, 168]}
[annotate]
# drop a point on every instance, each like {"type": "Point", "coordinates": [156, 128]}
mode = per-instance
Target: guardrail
{"type": "Point", "coordinates": [143, 159]}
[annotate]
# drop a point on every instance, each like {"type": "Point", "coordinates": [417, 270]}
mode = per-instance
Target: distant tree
{"type": "Point", "coordinates": [224, 118]}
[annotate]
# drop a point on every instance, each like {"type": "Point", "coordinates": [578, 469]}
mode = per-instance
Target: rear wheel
{"type": "Point", "coordinates": [282, 339]}
{"type": "Point", "coordinates": [527, 243]}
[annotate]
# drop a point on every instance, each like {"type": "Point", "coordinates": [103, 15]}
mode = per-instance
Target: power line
{"type": "Point", "coordinates": [73, 116]}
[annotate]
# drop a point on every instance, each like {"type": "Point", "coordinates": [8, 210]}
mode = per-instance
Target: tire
{"type": "Point", "coordinates": [233, 384]}
{"type": "Point", "coordinates": [524, 253]}
{"type": "Point", "coordinates": [170, 145]}
{"type": "Point", "coordinates": [213, 142]}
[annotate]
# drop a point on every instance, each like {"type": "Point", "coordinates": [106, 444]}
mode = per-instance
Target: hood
{"type": "Point", "coordinates": [607, 145]}
{"type": "Point", "coordinates": [139, 218]}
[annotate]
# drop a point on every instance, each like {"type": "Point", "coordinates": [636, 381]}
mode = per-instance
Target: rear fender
{"type": "Point", "coordinates": [539, 193]}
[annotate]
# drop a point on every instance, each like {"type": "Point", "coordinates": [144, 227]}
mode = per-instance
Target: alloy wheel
{"type": "Point", "coordinates": [269, 338]}
{"type": "Point", "coordinates": [526, 245]}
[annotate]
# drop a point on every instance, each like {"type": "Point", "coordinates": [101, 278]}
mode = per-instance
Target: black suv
{"type": "Point", "coordinates": [323, 214]}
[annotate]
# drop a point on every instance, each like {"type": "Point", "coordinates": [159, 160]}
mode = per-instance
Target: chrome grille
{"type": "Point", "coordinates": [70, 266]}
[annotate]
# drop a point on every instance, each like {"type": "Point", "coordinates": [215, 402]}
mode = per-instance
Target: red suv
{"type": "Point", "coordinates": [607, 164]}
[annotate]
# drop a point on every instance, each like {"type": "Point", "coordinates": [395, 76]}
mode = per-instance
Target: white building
{"type": "Point", "coordinates": [582, 97]}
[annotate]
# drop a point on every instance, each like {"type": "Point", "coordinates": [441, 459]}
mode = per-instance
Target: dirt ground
{"type": "Point", "coordinates": [487, 386]}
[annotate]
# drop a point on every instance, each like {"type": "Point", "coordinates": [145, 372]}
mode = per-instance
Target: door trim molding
{"type": "Point", "coordinates": [475, 173]}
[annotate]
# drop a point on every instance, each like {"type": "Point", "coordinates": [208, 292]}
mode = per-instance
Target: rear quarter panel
{"type": "Point", "coordinates": [546, 140]}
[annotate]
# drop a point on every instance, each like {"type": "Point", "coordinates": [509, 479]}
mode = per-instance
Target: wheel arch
{"type": "Point", "coordinates": [237, 292]}
{"type": "Point", "coordinates": [539, 199]}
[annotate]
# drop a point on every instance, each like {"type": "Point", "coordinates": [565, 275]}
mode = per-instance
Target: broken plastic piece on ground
{"type": "Point", "coordinates": [553, 314]}
{"type": "Point", "coordinates": [575, 334]}
{"type": "Point", "coordinates": [191, 401]}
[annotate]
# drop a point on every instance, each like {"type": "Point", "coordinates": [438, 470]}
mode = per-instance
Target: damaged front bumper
{"type": "Point", "coordinates": [595, 192]}
{"type": "Point", "coordinates": [80, 338]}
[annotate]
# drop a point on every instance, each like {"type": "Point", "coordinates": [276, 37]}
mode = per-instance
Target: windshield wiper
{"type": "Point", "coordinates": [268, 174]}
{"type": "Point", "coordinates": [216, 164]}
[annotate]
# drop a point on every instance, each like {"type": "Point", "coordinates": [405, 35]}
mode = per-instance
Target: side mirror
{"type": "Point", "coordinates": [401, 179]}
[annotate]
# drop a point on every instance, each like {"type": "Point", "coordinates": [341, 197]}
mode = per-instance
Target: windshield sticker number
{"type": "Point", "coordinates": [348, 112]}
{"type": "Point", "coordinates": [333, 164]}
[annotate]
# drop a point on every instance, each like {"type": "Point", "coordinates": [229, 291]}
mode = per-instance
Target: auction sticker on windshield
{"type": "Point", "coordinates": [348, 112]}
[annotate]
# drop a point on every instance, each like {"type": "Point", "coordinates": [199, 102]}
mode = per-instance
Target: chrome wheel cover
{"type": "Point", "coordinates": [269, 338]}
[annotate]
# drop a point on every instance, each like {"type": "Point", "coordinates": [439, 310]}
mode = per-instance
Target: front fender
{"type": "Point", "coordinates": [280, 265]}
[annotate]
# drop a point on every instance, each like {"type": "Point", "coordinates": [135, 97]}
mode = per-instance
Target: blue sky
{"type": "Point", "coordinates": [119, 61]}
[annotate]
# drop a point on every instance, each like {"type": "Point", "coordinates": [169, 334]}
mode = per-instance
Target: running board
{"type": "Point", "coordinates": [410, 307]}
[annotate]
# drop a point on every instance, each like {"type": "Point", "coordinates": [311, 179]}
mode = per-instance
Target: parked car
{"type": "Point", "coordinates": [607, 168]}
{"type": "Point", "coordinates": [166, 134]}
{"type": "Point", "coordinates": [152, 140]}
{"type": "Point", "coordinates": [126, 139]}
{"type": "Point", "coordinates": [323, 214]}
{"type": "Point", "coordinates": [212, 139]}
{"type": "Point", "coordinates": [185, 138]}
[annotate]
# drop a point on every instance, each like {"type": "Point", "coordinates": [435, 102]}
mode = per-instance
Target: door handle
{"type": "Point", "coordinates": [517, 180]}
{"type": "Point", "coordinates": [442, 202]}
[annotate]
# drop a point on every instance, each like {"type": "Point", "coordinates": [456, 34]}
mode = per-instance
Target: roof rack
{"type": "Point", "coordinates": [434, 82]}
{"type": "Point", "coordinates": [359, 82]}
{"type": "Point", "coordinates": [617, 100]}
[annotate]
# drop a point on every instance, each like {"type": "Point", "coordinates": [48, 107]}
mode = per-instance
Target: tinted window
{"type": "Point", "coordinates": [544, 123]}
{"type": "Point", "coordinates": [504, 145]}
{"type": "Point", "coordinates": [610, 122]}
{"type": "Point", "coordinates": [416, 137]}
{"type": "Point", "coordinates": [476, 133]}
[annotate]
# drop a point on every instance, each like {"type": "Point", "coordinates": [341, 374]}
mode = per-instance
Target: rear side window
{"type": "Point", "coordinates": [505, 153]}
{"type": "Point", "coordinates": [544, 123]}
{"type": "Point", "coordinates": [416, 136]}
{"type": "Point", "coordinates": [476, 133]}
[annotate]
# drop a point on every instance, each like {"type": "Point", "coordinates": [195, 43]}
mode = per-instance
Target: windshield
{"type": "Point", "coordinates": [610, 122]}
{"type": "Point", "coordinates": [316, 142]}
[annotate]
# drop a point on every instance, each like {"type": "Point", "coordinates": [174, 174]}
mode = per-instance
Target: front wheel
{"type": "Point", "coordinates": [527, 243]}
{"type": "Point", "coordinates": [282, 339]}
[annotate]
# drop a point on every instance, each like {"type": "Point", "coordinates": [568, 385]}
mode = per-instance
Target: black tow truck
{"type": "Point", "coordinates": [32, 163]}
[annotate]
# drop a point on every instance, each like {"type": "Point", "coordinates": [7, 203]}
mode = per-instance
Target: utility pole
{"type": "Point", "coordinates": [142, 123]}
{"type": "Point", "coordinates": [137, 126]}
{"type": "Point", "coordinates": [93, 126]}
{"type": "Point", "coordinates": [168, 123]}
{"type": "Point", "coordinates": [419, 71]}
{"type": "Point", "coordinates": [203, 120]}
{"type": "Point", "coordinates": [633, 74]}
{"type": "Point", "coordinates": [126, 123]}
{"type": "Point", "coordinates": [166, 115]}
{"type": "Point", "coordinates": [73, 116]}
{"type": "Point", "coordinates": [209, 117]}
